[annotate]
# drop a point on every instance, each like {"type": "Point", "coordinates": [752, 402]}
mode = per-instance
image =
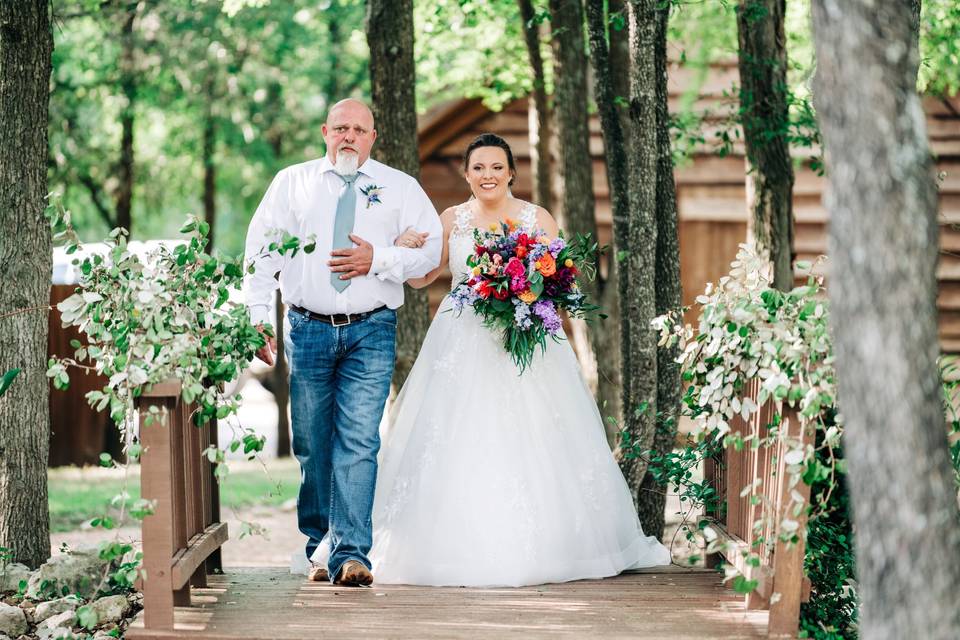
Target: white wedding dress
{"type": "Point", "coordinates": [492, 478]}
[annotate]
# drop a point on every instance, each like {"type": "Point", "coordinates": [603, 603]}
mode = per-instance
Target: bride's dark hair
{"type": "Point", "coordinates": [491, 140]}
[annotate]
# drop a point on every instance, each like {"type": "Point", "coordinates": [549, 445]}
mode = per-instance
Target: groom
{"type": "Point", "coordinates": [341, 321]}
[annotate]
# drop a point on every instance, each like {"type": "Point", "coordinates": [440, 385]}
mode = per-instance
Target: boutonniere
{"type": "Point", "coordinates": [372, 193]}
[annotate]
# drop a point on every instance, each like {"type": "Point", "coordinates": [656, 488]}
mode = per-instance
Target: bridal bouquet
{"type": "Point", "coordinates": [519, 282]}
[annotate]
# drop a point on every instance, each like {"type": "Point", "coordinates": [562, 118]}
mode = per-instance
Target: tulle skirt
{"type": "Point", "coordinates": [492, 478]}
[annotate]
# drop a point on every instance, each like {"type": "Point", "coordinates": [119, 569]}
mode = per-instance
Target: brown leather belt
{"type": "Point", "coordinates": [337, 319]}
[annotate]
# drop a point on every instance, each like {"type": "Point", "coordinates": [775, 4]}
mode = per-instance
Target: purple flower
{"type": "Point", "coordinates": [521, 314]}
{"type": "Point", "coordinates": [463, 296]}
{"type": "Point", "coordinates": [557, 246]}
{"type": "Point", "coordinates": [547, 312]}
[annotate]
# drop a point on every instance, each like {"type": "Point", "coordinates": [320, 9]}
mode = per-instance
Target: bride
{"type": "Point", "coordinates": [488, 477]}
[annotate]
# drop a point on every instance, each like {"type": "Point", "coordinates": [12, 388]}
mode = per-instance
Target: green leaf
{"type": "Point", "coordinates": [87, 617]}
{"type": "Point", "coordinates": [7, 380]}
{"type": "Point", "coordinates": [744, 586]}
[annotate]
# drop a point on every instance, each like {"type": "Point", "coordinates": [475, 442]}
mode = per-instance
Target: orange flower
{"type": "Point", "coordinates": [527, 296]}
{"type": "Point", "coordinates": [521, 251]}
{"type": "Point", "coordinates": [546, 265]}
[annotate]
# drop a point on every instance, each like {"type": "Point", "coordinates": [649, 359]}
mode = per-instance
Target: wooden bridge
{"type": "Point", "coordinates": [187, 596]}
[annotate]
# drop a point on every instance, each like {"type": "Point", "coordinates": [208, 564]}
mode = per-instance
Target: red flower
{"type": "Point", "coordinates": [501, 293]}
{"type": "Point", "coordinates": [483, 289]}
{"type": "Point", "coordinates": [480, 249]}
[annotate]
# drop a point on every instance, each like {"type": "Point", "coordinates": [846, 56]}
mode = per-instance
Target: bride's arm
{"type": "Point", "coordinates": [447, 219]}
{"type": "Point", "coordinates": [547, 224]}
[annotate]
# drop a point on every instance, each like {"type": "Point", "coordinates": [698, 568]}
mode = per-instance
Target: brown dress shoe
{"type": "Point", "coordinates": [354, 574]}
{"type": "Point", "coordinates": [318, 573]}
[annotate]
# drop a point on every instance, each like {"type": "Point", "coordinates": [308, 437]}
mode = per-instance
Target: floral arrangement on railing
{"type": "Point", "coordinates": [750, 331]}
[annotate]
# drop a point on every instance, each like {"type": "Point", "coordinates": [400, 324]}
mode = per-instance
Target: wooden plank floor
{"type": "Point", "coordinates": [271, 604]}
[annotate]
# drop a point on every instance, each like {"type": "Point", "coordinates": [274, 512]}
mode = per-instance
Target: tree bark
{"type": "Point", "coordinates": [883, 245]}
{"type": "Point", "coordinates": [540, 129]}
{"type": "Point", "coordinates": [615, 156]}
{"type": "Point", "coordinates": [577, 212]}
{"type": "Point", "coordinates": [620, 62]}
{"type": "Point", "coordinates": [389, 28]}
{"type": "Point", "coordinates": [128, 84]}
{"type": "Point", "coordinates": [26, 46]}
{"type": "Point", "coordinates": [762, 60]}
{"type": "Point", "coordinates": [281, 386]}
{"type": "Point", "coordinates": [210, 169]}
{"type": "Point", "coordinates": [653, 497]}
{"type": "Point", "coordinates": [637, 281]}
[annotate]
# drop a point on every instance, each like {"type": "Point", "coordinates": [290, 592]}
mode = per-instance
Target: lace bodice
{"type": "Point", "coordinates": [461, 237]}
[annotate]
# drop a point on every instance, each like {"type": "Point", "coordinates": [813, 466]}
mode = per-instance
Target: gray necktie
{"type": "Point", "coordinates": [343, 226]}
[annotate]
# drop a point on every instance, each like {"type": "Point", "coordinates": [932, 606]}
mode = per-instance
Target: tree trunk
{"type": "Point", "coordinates": [883, 245]}
{"type": "Point", "coordinates": [653, 497]}
{"type": "Point", "coordinates": [210, 169]}
{"type": "Point", "coordinates": [762, 59]}
{"type": "Point", "coordinates": [334, 52]}
{"type": "Point", "coordinates": [26, 46]}
{"type": "Point", "coordinates": [615, 155]}
{"type": "Point", "coordinates": [281, 386]}
{"type": "Point", "coordinates": [392, 80]}
{"type": "Point", "coordinates": [128, 83]}
{"type": "Point", "coordinates": [763, 98]}
{"type": "Point", "coordinates": [637, 281]}
{"type": "Point", "coordinates": [578, 210]}
{"type": "Point", "coordinates": [540, 129]}
{"type": "Point", "coordinates": [620, 61]}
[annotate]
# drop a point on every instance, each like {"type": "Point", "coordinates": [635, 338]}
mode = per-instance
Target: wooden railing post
{"type": "Point", "coordinates": [156, 473]}
{"type": "Point", "coordinates": [182, 537]}
{"type": "Point", "coordinates": [782, 585]}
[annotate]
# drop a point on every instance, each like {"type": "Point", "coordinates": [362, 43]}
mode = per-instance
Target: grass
{"type": "Point", "coordinates": [76, 495]}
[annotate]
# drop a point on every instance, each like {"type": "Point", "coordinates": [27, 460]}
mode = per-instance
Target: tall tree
{"type": "Point", "coordinates": [605, 79]}
{"type": "Point", "coordinates": [128, 84]}
{"type": "Point", "coordinates": [637, 275]}
{"type": "Point", "coordinates": [577, 211]}
{"type": "Point", "coordinates": [883, 245]}
{"type": "Point", "coordinates": [652, 500]}
{"type": "Point", "coordinates": [26, 46]}
{"type": "Point", "coordinates": [762, 59]}
{"type": "Point", "coordinates": [540, 128]}
{"type": "Point", "coordinates": [392, 81]}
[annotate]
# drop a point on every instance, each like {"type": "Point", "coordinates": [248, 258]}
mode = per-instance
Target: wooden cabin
{"type": "Point", "coordinates": [711, 194]}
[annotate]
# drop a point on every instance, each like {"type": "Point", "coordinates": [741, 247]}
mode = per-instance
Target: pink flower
{"type": "Point", "coordinates": [515, 268]}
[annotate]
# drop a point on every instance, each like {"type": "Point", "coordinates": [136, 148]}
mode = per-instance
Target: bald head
{"type": "Point", "coordinates": [349, 130]}
{"type": "Point", "coordinates": [352, 106]}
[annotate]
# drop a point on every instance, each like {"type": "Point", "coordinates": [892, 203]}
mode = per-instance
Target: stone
{"type": "Point", "coordinates": [4, 636]}
{"type": "Point", "coordinates": [55, 633]}
{"type": "Point", "coordinates": [66, 619]}
{"type": "Point", "coordinates": [80, 571]}
{"type": "Point", "coordinates": [111, 608]}
{"type": "Point", "coordinates": [44, 610]}
{"type": "Point", "coordinates": [13, 622]}
{"type": "Point", "coordinates": [11, 575]}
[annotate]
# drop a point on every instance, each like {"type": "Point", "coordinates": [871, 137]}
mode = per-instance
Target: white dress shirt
{"type": "Point", "coordinates": [302, 200]}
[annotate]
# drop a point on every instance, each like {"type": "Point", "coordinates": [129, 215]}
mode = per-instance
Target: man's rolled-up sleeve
{"type": "Point", "coordinates": [271, 215]}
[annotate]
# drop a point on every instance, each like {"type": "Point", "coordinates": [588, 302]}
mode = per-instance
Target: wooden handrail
{"type": "Point", "coordinates": [182, 537]}
{"type": "Point", "coordinates": [744, 523]}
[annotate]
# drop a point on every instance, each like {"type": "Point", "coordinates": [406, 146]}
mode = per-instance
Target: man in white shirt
{"type": "Point", "coordinates": [341, 321]}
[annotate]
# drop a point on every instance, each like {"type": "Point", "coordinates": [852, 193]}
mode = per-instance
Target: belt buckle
{"type": "Point", "coordinates": [333, 320]}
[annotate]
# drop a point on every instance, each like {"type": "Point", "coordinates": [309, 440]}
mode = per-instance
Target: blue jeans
{"type": "Point", "coordinates": [339, 382]}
